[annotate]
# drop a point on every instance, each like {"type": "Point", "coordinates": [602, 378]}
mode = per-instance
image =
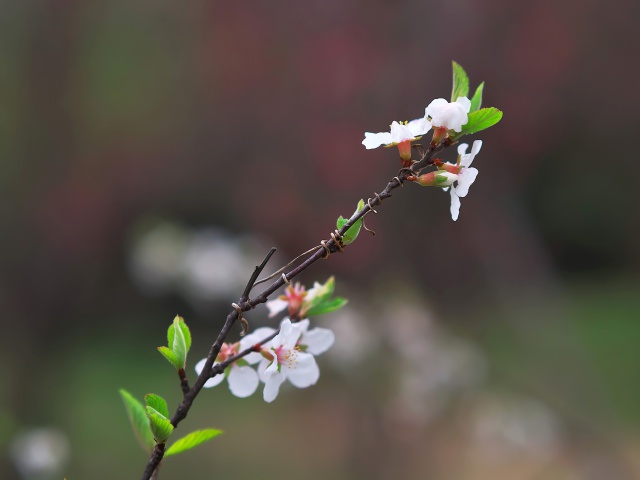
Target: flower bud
{"type": "Point", "coordinates": [438, 178]}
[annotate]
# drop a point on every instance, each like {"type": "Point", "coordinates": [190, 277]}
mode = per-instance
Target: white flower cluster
{"type": "Point", "coordinates": [290, 355]}
{"type": "Point", "coordinates": [439, 114]}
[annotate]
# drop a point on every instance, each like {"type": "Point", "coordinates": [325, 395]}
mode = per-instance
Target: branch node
{"type": "Point", "coordinates": [337, 239]}
{"type": "Point", "coordinates": [327, 251]}
{"type": "Point", "coordinates": [285, 279]}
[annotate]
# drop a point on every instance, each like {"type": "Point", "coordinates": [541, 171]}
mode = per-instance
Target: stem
{"type": "Point", "coordinates": [245, 303]}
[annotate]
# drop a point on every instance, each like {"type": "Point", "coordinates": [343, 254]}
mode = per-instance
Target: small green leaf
{"type": "Point", "coordinates": [460, 82]}
{"type": "Point", "coordinates": [350, 235]}
{"type": "Point", "coordinates": [168, 354]}
{"type": "Point", "coordinates": [476, 101]}
{"type": "Point", "coordinates": [160, 425]}
{"type": "Point", "coordinates": [179, 322]}
{"type": "Point", "coordinates": [192, 440]}
{"type": "Point", "coordinates": [480, 120]}
{"type": "Point", "coordinates": [179, 344]}
{"type": "Point", "coordinates": [157, 403]}
{"type": "Point", "coordinates": [327, 306]}
{"type": "Point", "coordinates": [138, 419]}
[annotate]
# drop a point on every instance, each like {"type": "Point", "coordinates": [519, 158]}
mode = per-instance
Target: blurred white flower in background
{"type": "Point", "coordinates": [203, 265]}
{"type": "Point", "coordinates": [40, 453]}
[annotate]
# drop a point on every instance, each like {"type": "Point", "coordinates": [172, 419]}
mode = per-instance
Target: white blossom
{"type": "Point", "coordinates": [292, 357]}
{"type": "Point", "coordinates": [450, 115]}
{"type": "Point", "coordinates": [466, 176]}
{"type": "Point", "coordinates": [400, 132]}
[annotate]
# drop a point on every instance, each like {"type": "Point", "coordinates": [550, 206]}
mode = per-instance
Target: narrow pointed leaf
{"type": "Point", "coordinates": [480, 120]}
{"type": "Point", "coordinates": [157, 403]}
{"type": "Point", "coordinates": [351, 234]}
{"type": "Point", "coordinates": [138, 418]}
{"type": "Point", "coordinates": [327, 306]}
{"type": "Point", "coordinates": [168, 354]}
{"type": "Point", "coordinates": [160, 426]}
{"type": "Point", "coordinates": [192, 440]}
{"type": "Point", "coordinates": [476, 101]}
{"type": "Point", "coordinates": [460, 82]}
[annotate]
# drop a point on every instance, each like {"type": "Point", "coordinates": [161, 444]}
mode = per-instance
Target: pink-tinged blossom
{"type": "Point", "coordinates": [291, 357]}
{"type": "Point", "coordinates": [243, 380]}
{"type": "Point", "coordinates": [449, 115]}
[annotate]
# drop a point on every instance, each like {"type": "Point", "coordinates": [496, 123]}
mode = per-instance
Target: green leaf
{"type": "Point", "coordinates": [460, 82]}
{"type": "Point", "coordinates": [179, 322]}
{"type": "Point", "coordinates": [157, 403]}
{"type": "Point", "coordinates": [160, 425]}
{"type": "Point", "coordinates": [480, 120]}
{"type": "Point", "coordinates": [476, 101]}
{"type": "Point", "coordinates": [138, 419]}
{"type": "Point", "coordinates": [327, 306]}
{"type": "Point", "coordinates": [351, 234]}
{"type": "Point", "coordinates": [178, 342]}
{"type": "Point", "coordinates": [168, 354]}
{"type": "Point", "coordinates": [192, 440]}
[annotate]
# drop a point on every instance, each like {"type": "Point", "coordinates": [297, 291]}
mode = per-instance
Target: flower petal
{"type": "Point", "coordinates": [272, 387]}
{"type": "Point", "coordinates": [257, 336]}
{"type": "Point", "coordinates": [419, 126]}
{"type": "Point", "coordinates": [434, 105]}
{"type": "Point", "coordinates": [213, 381]}
{"type": "Point", "coordinates": [318, 340]}
{"type": "Point", "coordinates": [462, 148]}
{"type": "Point", "coordinates": [465, 180]}
{"type": "Point", "coordinates": [374, 140]}
{"type": "Point", "coordinates": [243, 381]}
{"type": "Point", "coordinates": [276, 306]}
{"type": "Point", "coordinates": [400, 133]}
{"type": "Point", "coordinates": [306, 372]}
{"type": "Point", "coordinates": [465, 103]}
{"type": "Point", "coordinates": [455, 205]}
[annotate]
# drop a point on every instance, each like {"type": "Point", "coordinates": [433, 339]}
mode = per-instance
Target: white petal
{"type": "Point", "coordinates": [462, 148]}
{"type": "Point", "coordinates": [434, 105]}
{"type": "Point", "coordinates": [276, 306]}
{"type": "Point", "coordinates": [465, 103]}
{"type": "Point", "coordinates": [312, 292]}
{"type": "Point", "coordinates": [262, 369]}
{"type": "Point", "coordinates": [400, 133]}
{"type": "Point", "coordinates": [304, 325]}
{"type": "Point", "coordinates": [465, 180]}
{"type": "Point", "coordinates": [318, 340]}
{"type": "Point", "coordinates": [455, 205]}
{"type": "Point", "coordinates": [243, 381]}
{"type": "Point", "coordinates": [213, 381]}
{"type": "Point", "coordinates": [288, 336]}
{"type": "Point", "coordinates": [306, 372]}
{"type": "Point", "coordinates": [257, 336]}
{"type": "Point", "coordinates": [374, 140]}
{"type": "Point", "coordinates": [419, 126]}
{"type": "Point", "coordinates": [475, 149]}
{"type": "Point", "coordinates": [272, 387]}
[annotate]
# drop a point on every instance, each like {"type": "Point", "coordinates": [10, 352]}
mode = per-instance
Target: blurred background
{"type": "Point", "coordinates": [151, 152]}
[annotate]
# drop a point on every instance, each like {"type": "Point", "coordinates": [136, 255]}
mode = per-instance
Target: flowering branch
{"type": "Point", "coordinates": [289, 352]}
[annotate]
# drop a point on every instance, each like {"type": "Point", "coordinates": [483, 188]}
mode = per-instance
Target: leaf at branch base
{"type": "Point", "coordinates": [139, 421]}
{"type": "Point", "coordinates": [192, 440]}
{"type": "Point", "coordinates": [160, 425]}
{"type": "Point", "coordinates": [480, 120]}
{"type": "Point", "coordinates": [460, 82]}
{"type": "Point", "coordinates": [168, 354]}
{"type": "Point", "coordinates": [476, 101]}
{"type": "Point", "coordinates": [157, 403]}
{"type": "Point", "coordinates": [327, 306]}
